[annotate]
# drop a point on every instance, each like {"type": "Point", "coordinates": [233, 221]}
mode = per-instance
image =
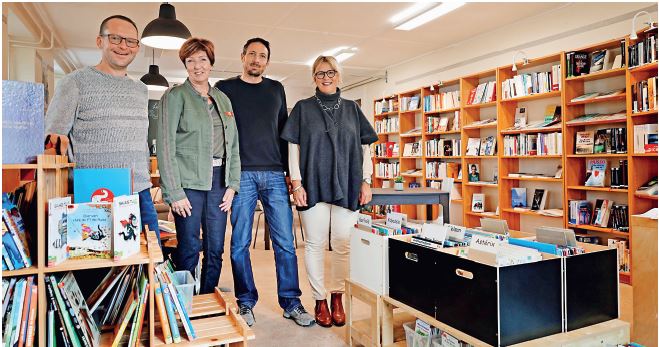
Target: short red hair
{"type": "Point", "coordinates": [194, 45]}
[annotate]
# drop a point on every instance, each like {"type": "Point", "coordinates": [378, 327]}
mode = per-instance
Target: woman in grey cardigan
{"type": "Point", "coordinates": [330, 169]}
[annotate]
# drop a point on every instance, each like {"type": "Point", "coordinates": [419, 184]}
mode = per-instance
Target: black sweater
{"type": "Point", "coordinates": [261, 113]}
{"type": "Point", "coordinates": [331, 153]}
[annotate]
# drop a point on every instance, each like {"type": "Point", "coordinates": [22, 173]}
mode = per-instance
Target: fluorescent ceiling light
{"type": "Point", "coordinates": [410, 11]}
{"type": "Point", "coordinates": [427, 16]}
{"type": "Point", "coordinates": [340, 53]}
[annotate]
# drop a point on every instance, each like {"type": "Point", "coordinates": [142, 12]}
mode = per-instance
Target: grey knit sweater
{"type": "Point", "coordinates": [106, 119]}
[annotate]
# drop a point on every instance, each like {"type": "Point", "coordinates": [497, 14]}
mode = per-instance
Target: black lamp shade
{"type": "Point", "coordinates": [165, 32]}
{"type": "Point", "coordinates": [154, 80]}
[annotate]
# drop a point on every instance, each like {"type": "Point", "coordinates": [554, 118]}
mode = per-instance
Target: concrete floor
{"type": "Point", "coordinates": [272, 330]}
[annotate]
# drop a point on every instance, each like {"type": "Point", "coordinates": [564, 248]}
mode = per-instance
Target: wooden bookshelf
{"type": "Point", "coordinates": [599, 189]}
{"type": "Point", "coordinates": [552, 94]}
{"type": "Point", "coordinates": [620, 97]}
{"type": "Point", "coordinates": [537, 179]}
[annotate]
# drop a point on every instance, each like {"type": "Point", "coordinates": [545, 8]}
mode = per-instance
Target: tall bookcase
{"type": "Point", "coordinates": [641, 167]}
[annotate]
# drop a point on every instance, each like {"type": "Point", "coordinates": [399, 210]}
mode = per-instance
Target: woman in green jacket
{"type": "Point", "coordinates": [199, 162]}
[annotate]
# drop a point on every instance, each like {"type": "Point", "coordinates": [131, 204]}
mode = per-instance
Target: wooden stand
{"type": "Point", "coordinates": [644, 266]}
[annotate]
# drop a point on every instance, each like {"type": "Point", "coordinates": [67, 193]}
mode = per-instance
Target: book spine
{"type": "Point", "coordinates": [171, 317]}
{"type": "Point", "coordinates": [180, 307]}
{"type": "Point", "coordinates": [26, 311]}
{"type": "Point", "coordinates": [124, 324]}
{"type": "Point", "coordinates": [74, 318]}
{"type": "Point", "coordinates": [162, 313]}
{"type": "Point", "coordinates": [13, 323]}
{"type": "Point", "coordinates": [51, 327]}
{"type": "Point", "coordinates": [14, 232]}
{"type": "Point", "coordinates": [58, 312]}
{"type": "Point", "coordinates": [32, 317]}
{"type": "Point", "coordinates": [139, 317]}
{"type": "Point", "coordinates": [63, 309]}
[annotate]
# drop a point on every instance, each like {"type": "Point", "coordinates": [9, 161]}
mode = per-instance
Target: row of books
{"type": "Point", "coordinates": [443, 123]}
{"type": "Point", "coordinates": [409, 103]}
{"type": "Point", "coordinates": [383, 229]}
{"type": "Point", "coordinates": [560, 250]}
{"type": "Point", "coordinates": [533, 144]}
{"type": "Point", "coordinates": [387, 125]}
{"type": "Point", "coordinates": [604, 213]}
{"type": "Point", "coordinates": [531, 83]}
{"type": "Point", "coordinates": [596, 174]}
{"type": "Point", "coordinates": [482, 146]}
{"type": "Point", "coordinates": [172, 306]}
{"type": "Point", "coordinates": [519, 198]}
{"type": "Point", "coordinates": [644, 51]}
{"type": "Point", "coordinates": [19, 311]}
{"type": "Point", "coordinates": [612, 140]}
{"type": "Point", "coordinates": [16, 252]}
{"type": "Point", "coordinates": [622, 247]}
{"type": "Point", "coordinates": [583, 63]}
{"type": "Point", "coordinates": [649, 187]}
{"type": "Point", "coordinates": [441, 101]}
{"type": "Point", "coordinates": [598, 117]}
{"type": "Point", "coordinates": [644, 95]}
{"type": "Point", "coordinates": [598, 95]}
{"type": "Point", "coordinates": [387, 149]}
{"type": "Point", "coordinates": [445, 147]}
{"type": "Point", "coordinates": [483, 93]}
{"type": "Point", "coordinates": [482, 122]}
{"type": "Point", "coordinates": [388, 170]}
{"type": "Point", "coordinates": [645, 138]}
{"type": "Point", "coordinates": [382, 210]}
{"type": "Point", "coordinates": [436, 169]}
{"type": "Point", "coordinates": [386, 105]}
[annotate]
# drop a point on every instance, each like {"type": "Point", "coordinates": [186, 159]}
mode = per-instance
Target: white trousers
{"type": "Point", "coordinates": [317, 222]}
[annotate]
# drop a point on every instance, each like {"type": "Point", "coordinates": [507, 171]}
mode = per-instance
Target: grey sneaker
{"type": "Point", "coordinates": [300, 316]}
{"type": "Point", "coordinates": [247, 314]}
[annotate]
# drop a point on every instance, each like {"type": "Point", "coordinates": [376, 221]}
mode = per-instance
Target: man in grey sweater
{"type": "Point", "coordinates": [103, 114]}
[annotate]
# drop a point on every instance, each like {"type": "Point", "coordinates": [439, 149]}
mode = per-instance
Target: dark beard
{"type": "Point", "coordinates": [254, 74]}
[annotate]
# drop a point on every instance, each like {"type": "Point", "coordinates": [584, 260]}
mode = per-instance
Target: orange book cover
{"type": "Point", "coordinates": [26, 311]}
{"type": "Point", "coordinates": [164, 322]}
{"type": "Point", "coordinates": [32, 318]}
{"type": "Point", "coordinates": [140, 319]}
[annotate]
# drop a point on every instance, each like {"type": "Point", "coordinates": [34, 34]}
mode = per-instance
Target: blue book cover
{"type": "Point", "coordinates": [100, 185]}
{"type": "Point", "coordinates": [89, 230]}
{"type": "Point", "coordinates": [22, 121]}
{"type": "Point", "coordinates": [10, 247]}
{"type": "Point", "coordinates": [519, 197]}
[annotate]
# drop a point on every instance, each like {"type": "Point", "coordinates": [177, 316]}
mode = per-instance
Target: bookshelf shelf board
{"type": "Point", "coordinates": [458, 201]}
{"type": "Point", "coordinates": [480, 157]}
{"type": "Point", "coordinates": [412, 175]}
{"type": "Point", "coordinates": [442, 111]}
{"type": "Point", "coordinates": [537, 179]}
{"type": "Point", "coordinates": [483, 214]}
{"type": "Point", "coordinates": [598, 229]}
{"type": "Point", "coordinates": [443, 157]}
{"type": "Point", "coordinates": [596, 121]}
{"type": "Point", "coordinates": [444, 132]}
{"type": "Point", "coordinates": [32, 270]}
{"type": "Point", "coordinates": [385, 114]}
{"type": "Point", "coordinates": [598, 155]}
{"type": "Point", "coordinates": [552, 94]}
{"type": "Point", "coordinates": [619, 97]}
{"type": "Point", "coordinates": [412, 135]}
{"type": "Point", "coordinates": [644, 113]}
{"type": "Point", "coordinates": [441, 179]}
{"type": "Point", "coordinates": [645, 196]}
{"type": "Point", "coordinates": [483, 105]}
{"type": "Point", "coordinates": [528, 213]}
{"type": "Point", "coordinates": [598, 189]}
{"type": "Point", "coordinates": [419, 157]}
{"type": "Point", "coordinates": [553, 156]}
{"type": "Point", "coordinates": [478, 184]}
{"type": "Point", "coordinates": [531, 130]}
{"type": "Point", "coordinates": [481, 126]}
{"type": "Point", "coordinates": [212, 330]}
{"type": "Point", "coordinates": [18, 166]}
{"type": "Point", "coordinates": [598, 75]}
{"type": "Point", "coordinates": [644, 155]}
{"type": "Point", "coordinates": [645, 67]}
{"type": "Point", "coordinates": [78, 264]}
{"type": "Point", "coordinates": [385, 158]}
{"type": "Point", "coordinates": [411, 111]}
{"type": "Point", "coordinates": [389, 133]}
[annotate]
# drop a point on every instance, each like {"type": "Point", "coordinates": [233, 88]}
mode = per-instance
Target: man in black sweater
{"type": "Point", "coordinates": [259, 105]}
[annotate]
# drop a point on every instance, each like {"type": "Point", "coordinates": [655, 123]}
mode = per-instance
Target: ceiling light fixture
{"type": "Point", "coordinates": [410, 11]}
{"type": "Point", "coordinates": [165, 32]}
{"type": "Point", "coordinates": [154, 80]}
{"type": "Point", "coordinates": [429, 15]}
{"type": "Point", "coordinates": [652, 25]}
{"type": "Point", "coordinates": [339, 53]}
{"type": "Point", "coordinates": [525, 61]}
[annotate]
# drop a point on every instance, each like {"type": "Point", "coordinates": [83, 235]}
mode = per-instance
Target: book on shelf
{"type": "Point", "coordinates": [412, 149]}
{"type": "Point", "coordinates": [473, 146]}
{"type": "Point", "coordinates": [596, 172]}
{"type": "Point", "coordinates": [16, 241]}
{"type": "Point", "coordinates": [586, 96]}
{"type": "Point", "coordinates": [481, 122]}
{"type": "Point", "coordinates": [483, 93]}
{"type": "Point", "coordinates": [521, 118]}
{"type": "Point", "coordinates": [649, 187]}
{"type": "Point", "coordinates": [89, 230]}
{"type": "Point", "coordinates": [644, 95]}
{"type": "Point", "coordinates": [20, 301]}
{"type": "Point", "coordinates": [619, 175]}
{"type": "Point", "coordinates": [474, 173]}
{"type": "Point", "coordinates": [578, 63]}
{"type": "Point", "coordinates": [551, 212]}
{"type": "Point", "coordinates": [621, 246]}
{"type": "Point", "coordinates": [127, 226]}
{"type": "Point", "coordinates": [478, 202]}
{"type": "Point", "coordinates": [58, 248]}
{"type": "Point", "coordinates": [559, 171]}
{"type": "Point", "coordinates": [597, 59]}
{"type": "Point", "coordinates": [644, 50]}
{"type": "Point", "coordinates": [601, 212]}
{"type": "Point", "coordinates": [518, 197]}
{"type": "Point", "coordinates": [413, 131]}
{"type": "Point", "coordinates": [610, 93]}
{"type": "Point", "coordinates": [580, 212]}
{"type": "Point", "coordinates": [539, 199]}
{"type": "Point", "coordinates": [585, 141]}
{"type": "Point", "coordinates": [488, 146]}
{"type": "Point", "coordinates": [101, 185]}
{"type": "Point", "coordinates": [598, 117]}
{"type": "Point", "coordinates": [645, 138]}
{"type": "Point", "coordinates": [79, 310]}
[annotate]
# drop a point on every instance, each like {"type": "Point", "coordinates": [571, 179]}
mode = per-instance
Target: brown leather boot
{"type": "Point", "coordinates": [338, 315]}
{"type": "Point", "coordinates": [323, 316]}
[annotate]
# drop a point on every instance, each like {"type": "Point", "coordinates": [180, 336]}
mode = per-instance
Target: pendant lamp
{"type": "Point", "coordinates": [165, 32]}
{"type": "Point", "coordinates": [154, 80]}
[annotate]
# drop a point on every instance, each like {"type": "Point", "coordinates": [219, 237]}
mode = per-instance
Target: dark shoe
{"type": "Point", "coordinates": [338, 315]}
{"type": "Point", "coordinates": [300, 316]}
{"type": "Point", "coordinates": [247, 314]}
{"type": "Point", "coordinates": [323, 316]}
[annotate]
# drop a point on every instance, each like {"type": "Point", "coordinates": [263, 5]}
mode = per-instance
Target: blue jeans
{"type": "Point", "coordinates": [148, 212]}
{"type": "Point", "coordinates": [269, 187]}
{"type": "Point", "coordinates": [206, 214]}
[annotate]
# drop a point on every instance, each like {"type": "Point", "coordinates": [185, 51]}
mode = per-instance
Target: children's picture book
{"type": "Point", "coordinates": [596, 172]}
{"type": "Point", "coordinates": [474, 173]}
{"type": "Point", "coordinates": [127, 226]}
{"type": "Point", "coordinates": [100, 185]}
{"type": "Point", "coordinates": [70, 290]}
{"type": "Point", "coordinates": [519, 197]}
{"type": "Point", "coordinates": [58, 249]}
{"type": "Point", "coordinates": [585, 141]}
{"type": "Point", "coordinates": [478, 203]}
{"type": "Point", "coordinates": [539, 200]}
{"type": "Point", "coordinates": [89, 230]}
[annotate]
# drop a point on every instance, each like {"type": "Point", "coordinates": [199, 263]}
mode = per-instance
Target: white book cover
{"type": "Point", "coordinates": [473, 145]}
{"type": "Point", "coordinates": [478, 203]}
{"type": "Point", "coordinates": [127, 226]}
{"type": "Point", "coordinates": [58, 247]}
{"type": "Point", "coordinates": [89, 230]}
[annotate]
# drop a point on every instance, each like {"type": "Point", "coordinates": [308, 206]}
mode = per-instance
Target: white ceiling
{"type": "Point", "coordinates": [297, 32]}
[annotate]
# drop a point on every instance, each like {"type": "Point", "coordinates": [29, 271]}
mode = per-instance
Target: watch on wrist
{"type": "Point", "coordinates": [367, 181]}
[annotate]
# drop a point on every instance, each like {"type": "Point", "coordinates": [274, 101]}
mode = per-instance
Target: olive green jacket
{"type": "Point", "coordinates": [185, 141]}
